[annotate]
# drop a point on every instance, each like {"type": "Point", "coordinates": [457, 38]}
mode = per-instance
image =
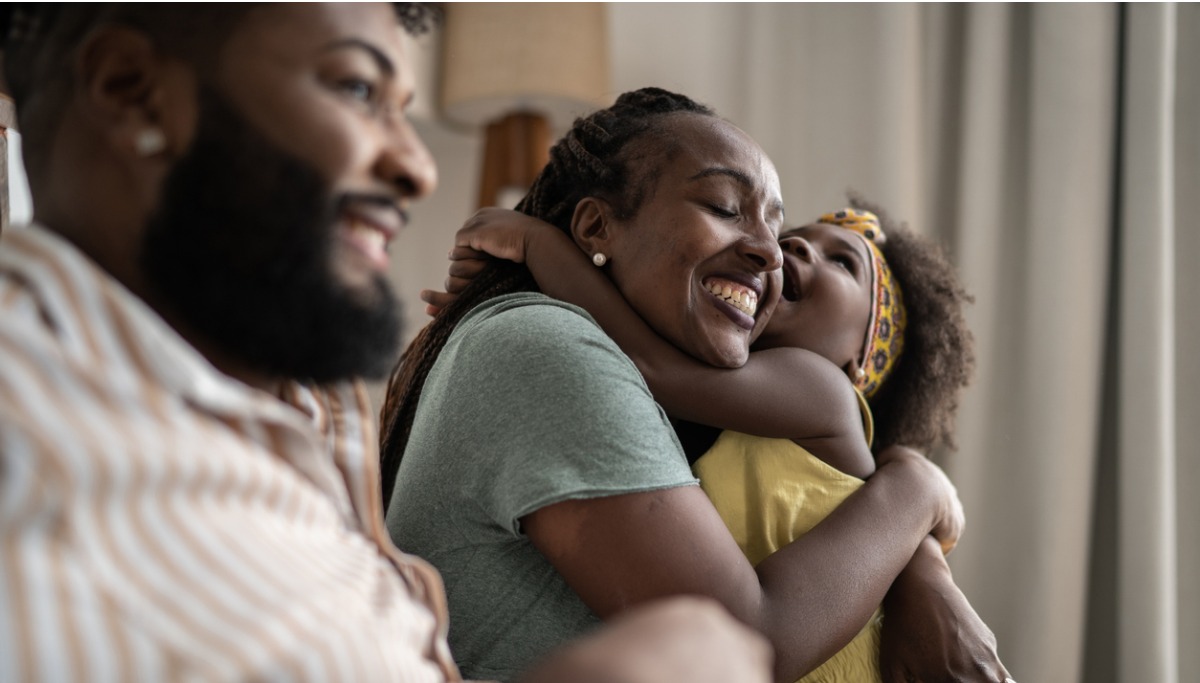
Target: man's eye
{"type": "Point", "coordinates": [722, 211]}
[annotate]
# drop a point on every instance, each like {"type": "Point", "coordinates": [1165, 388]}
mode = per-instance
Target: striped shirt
{"type": "Point", "coordinates": [160, 521]}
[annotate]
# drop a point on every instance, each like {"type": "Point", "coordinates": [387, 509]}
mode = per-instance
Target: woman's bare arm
{"type": "Point", "coordinates": [809, 599]}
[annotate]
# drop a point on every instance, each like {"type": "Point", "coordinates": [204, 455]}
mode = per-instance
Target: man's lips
{"type": "Point", "coordinates": [369, 225]}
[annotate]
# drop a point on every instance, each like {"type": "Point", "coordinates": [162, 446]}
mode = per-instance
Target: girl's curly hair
{"type": "Point", "coordinates": [918, 404]}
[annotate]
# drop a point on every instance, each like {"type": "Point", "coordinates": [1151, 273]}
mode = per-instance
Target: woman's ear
{"type": "Point", "coordinates": [591, 226]}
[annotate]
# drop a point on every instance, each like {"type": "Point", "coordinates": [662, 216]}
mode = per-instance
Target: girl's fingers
{"type": "Point", "coordinates": [436, 299]}
{"type": "Point", "coordinates": [466, 269]}
{"type": "Point", "coordinates": [462, 251]}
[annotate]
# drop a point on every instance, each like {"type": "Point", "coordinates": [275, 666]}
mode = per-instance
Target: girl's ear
{"type": "Point", "coordinates": [591, 226]}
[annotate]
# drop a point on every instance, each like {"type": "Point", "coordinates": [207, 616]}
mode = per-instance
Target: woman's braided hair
{"type": "Point", "coordinates": [918, 403]}
{"type": "Point", "coordinates": [594, 159]}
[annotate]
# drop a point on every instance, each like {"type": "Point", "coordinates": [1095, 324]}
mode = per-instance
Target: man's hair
{"type": "Point", "coordinates": [918, 403]}
{"type": "Point", "coordinates": [38, 42]}
{"type": "Point", "coordinates": [613, 154]}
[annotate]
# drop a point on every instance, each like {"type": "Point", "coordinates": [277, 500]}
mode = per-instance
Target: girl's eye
{"type": "Point", "coordinates": [845, 262]}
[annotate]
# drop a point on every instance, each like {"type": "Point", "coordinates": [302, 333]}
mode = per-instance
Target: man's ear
{"type": "Point", "coordinates": [122, 80]}
{"type": "Point", "coordinates": [591, 226]}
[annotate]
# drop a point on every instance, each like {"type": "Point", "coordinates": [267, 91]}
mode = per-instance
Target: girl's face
{"type": "Point", "coordinates": [699, 260]}
{"type": "Point", "coordinates": [826, 300]}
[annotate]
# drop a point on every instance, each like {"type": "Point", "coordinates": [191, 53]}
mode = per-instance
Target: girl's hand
{"type": "Point", "coordinates": [465, 265]}
{"type": "Point", "coordinates": [948, 519]}
{"type": "Point", "coordinates": [501, 233]}
{"type": "Point", "coordinates": [930, 632]}
{"type": "Point", "coordinates": [490, 233]}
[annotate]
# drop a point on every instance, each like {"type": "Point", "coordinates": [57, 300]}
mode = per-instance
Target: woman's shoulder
{"type": "Point", "coordinates": [531, 318]}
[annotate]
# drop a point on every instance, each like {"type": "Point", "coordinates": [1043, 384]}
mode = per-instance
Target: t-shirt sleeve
{"type": "Point", "coordinates": [553, 410]}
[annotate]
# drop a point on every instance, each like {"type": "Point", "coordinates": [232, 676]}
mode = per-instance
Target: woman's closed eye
{"type": "Point", "coordinates": [722, 211]}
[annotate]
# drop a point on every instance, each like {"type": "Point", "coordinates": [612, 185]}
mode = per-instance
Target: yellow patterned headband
{"type": "Point", "coordinates": [885, 330]}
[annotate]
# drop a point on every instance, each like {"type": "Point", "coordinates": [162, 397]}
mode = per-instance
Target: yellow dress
{"type": "Point", "coordinates": [770, 492]}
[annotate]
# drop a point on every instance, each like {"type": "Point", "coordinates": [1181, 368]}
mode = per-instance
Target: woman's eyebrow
{"type": "Point", "coordinates": [741, 178]}
{"type": "Point", "coordinates": [384, 63]}
{"type": "Point", "coordinates": [737, 175]}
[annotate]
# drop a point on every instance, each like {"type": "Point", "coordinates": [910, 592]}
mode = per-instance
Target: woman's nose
{"type": "Point", "coordinates": [764, 251]}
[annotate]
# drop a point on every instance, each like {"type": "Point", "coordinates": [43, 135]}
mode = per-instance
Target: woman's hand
{"type": "Point", "coordinates": [490, 233]}
{"type": "Point", "coordinates": [930, 632]}
{"type": "Point", "coordinates": [949, 520]}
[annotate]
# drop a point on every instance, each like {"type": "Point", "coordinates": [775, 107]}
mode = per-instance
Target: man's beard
{"type": "Point", "coordinates": [240, 248]}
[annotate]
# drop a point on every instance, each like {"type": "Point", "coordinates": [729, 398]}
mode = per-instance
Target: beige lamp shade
{"type": "Point", "coordinates": [545, 58]}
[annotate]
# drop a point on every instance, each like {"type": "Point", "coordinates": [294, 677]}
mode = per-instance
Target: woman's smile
{"type": "Point", "coordinates": [736, 300]}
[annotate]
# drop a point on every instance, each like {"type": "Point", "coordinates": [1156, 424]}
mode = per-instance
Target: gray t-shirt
{"type": "Point", "coordinates": [529, 404]}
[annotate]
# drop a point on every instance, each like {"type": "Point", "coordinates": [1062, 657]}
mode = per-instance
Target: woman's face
{"type": "Point", "coordinates": [825, 305]}
{"type": "Point", "coordinates": [698, 261]}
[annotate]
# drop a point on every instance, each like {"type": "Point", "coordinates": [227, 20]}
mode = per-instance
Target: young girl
{"type": "Point", "coordinates": [868, 321]}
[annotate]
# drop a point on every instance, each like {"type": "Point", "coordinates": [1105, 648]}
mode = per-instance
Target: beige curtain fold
{"type": "Point", "coordinates": [1187, 329]}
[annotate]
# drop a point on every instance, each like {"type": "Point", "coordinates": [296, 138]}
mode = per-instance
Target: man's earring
{"type": "Point", "coordinates": [150, 141]}
{"type": "Point", "coordinates": [599, 259]}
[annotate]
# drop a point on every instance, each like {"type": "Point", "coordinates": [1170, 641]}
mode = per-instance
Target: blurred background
{"type": "Point", "coordinates": [1054, 149]}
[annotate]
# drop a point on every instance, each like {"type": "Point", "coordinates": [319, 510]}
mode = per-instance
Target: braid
{"type": "Point", "coordinates": [591, 160]}
{"type": "Point", "coordinates": [918, 403]}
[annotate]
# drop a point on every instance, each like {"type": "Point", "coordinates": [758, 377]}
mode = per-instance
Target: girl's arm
{"type": "Point", "coordinates": [760, 398]}
{"type": "Point", "coordinates": [930, 631]}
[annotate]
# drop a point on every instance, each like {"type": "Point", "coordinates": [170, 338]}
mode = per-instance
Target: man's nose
{"type": "Point", "coordinates": [406, 164]}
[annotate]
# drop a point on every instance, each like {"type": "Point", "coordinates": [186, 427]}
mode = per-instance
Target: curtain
{"type": "Point", "coordinates": [1054, 149]}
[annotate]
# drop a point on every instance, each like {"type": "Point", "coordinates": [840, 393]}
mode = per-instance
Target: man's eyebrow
{"type": "Point", "coordinates": [384, 63]}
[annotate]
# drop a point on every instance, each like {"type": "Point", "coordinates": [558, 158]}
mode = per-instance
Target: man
{"type": "Point", "coordinates": [188, 471]}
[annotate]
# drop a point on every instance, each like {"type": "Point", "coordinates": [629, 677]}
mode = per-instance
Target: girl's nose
{"type": "Point", "coordinates": [798, 247]}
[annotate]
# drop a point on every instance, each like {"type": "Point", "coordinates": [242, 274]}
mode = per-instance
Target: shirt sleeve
{"type": "Point", "coordinates": [559, 413]}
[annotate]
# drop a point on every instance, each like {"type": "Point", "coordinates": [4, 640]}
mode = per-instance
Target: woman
{"type": "Point", "coordinates": [870, 317]}
{"type": "Point", "coordinates": [539, 475]}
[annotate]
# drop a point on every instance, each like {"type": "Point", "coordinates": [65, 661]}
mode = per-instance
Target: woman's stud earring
{"type": "Point", "coordinates": [150, 141]}
{"type": "Point", "coordinates": [599, 259]}
{"type": "Point", "coordinates": [859, 374]}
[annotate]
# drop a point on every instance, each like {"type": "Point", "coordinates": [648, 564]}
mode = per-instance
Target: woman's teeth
{"type": "Point", "coordinates": [737, 296]}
